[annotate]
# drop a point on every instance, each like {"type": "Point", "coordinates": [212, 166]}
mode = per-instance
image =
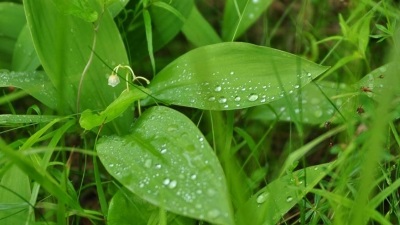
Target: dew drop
{"type": "Point", "coordinates": [193, 177]}
{"type": "Point", "coordinates": [147, 163]}
{"type": "Point", "coordinates": [232, 73]}
{"type": "Point", "coordinates": [296, 86]}
{"type": "Point", "coordinates": [211, 99]}
{"type": "Point", "coordinates": [172, 184]}
{"type": "Point", "coordinates": [237, 98]}
{"type": "Point", "coordinates": [218, 88]}
{"type": "Point", "coordinates": [316, 168]}
{"type": "Point", "coordinates": [111, 165]}
{"type": "Point", "coordinates": [253, 97]}
{"type": "Point", "coordinates": [289, 199]}
{"type": "Point", "coordinates": [262, 197]}
{"type": "Point", "coordinates": [163, 150]}
{"type": "Point", "coordinates": [158, 166]}
{"type": "Point", "coordinates": [213, 213]}
{"type": "Point", "coordinates": [166, 181]}
{"type": "Point", "coordinates": [308, 74]}
{"type": "Point", "coordinates": [222, 100]}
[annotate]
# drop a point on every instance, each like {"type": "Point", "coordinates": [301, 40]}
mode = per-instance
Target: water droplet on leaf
{"type": "Point", "coordinates": [253, 97]}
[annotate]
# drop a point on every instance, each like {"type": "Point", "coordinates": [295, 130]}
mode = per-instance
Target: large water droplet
{"type": "Point", "coordinates": [172, 184]}
{"type": "Point", "coordinates": [253, 97]}
{"type": "Point", "coordinates": [211, 99]}
{"type": "Point", "coordinates": [289, 199]}
{"type": "Point", "coordinates": [237, 98]}
{"type": "Point", "coordinates": [222, 100]}
{"type": "Point", "coordinates": [193, 177]}
{"type": "Point", "coordinates": [262, 197]}
{"type": "Point", "coordinates": [218, 88]}
{"type": "Point", "coordinates": [166, 181]}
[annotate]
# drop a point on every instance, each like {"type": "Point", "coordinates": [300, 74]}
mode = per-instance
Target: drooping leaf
{"type": "Point", "coordinates": [230, 76]}
{"type": "Point", "coordinates": [239, 15]}
{"type": "Point", "coordinates": [35, 83]}
{"type": "Point", "coordinates": [166, 161]}
{"type": "Point", "coordinates": [272, 202]}
{"type": "Point", "coordinates": [89, 120]}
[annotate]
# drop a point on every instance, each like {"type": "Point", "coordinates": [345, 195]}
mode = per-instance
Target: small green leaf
{"type": "Point", "coordinates": [232, 75]}
{"type": "Point", "coordinates": [167, 161]}
{"type": "Point", "coordinates": [89, 120]}
{"type": "Point", "coordinates": [272, 202]}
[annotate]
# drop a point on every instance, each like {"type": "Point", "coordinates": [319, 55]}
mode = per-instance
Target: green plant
{"type": "Point", "coordinates": [198, 151]}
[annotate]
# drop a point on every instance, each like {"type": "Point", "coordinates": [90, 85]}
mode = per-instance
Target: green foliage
{"type": "Point", "coordinates": [231, 132]}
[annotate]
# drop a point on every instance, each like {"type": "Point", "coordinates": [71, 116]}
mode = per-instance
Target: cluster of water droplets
{"type": "Point", "coordinates": [179, 165]}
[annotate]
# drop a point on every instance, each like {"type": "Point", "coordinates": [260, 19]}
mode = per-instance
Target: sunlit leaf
{"type": "Point", "coordinates": [230, 76]}
{"type": "Point", "coordinates": [167, 161]}
{"type": "Point", "coordinates": [78, 8]}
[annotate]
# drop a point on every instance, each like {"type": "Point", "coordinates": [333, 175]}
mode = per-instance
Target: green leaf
{"type": "Point", "coordinates": [317, 105]}
{"type": "Point", "coordinates": [65, 51]}
{"type": "Point", "coordinates": [198, 31]}
{"type": "Point", "coordinates": [35, 83]}
{"type": "Point", "coordinates": [239, 15]}
{"type": "Point", "coordinates": [89, 120]}
{"type": "Point", "coordinates": [128, 209]}
{"type": "Point", "coordinates": [165, 26]}
{"type": "Point", "coordinates": [15, 192]}
{"type": "Point", "coordinates": [78, 8]}
{"type": "Point", "coordinates": [24, 56]}
{"type": "Point", "coordinates": [230, 76]}
{"type": "Point", "coordinates": [272, 202]}
{"type": "Point", "coordinates": [12, 19]}
{"type": "Point", "coordinates": [166, 161]}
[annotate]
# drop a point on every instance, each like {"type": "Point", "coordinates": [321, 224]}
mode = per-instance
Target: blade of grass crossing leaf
{"type": "Point", "coordinates": [198, 31]}
{"type": "Point", "coordinates": [15, 190]}
{"type": "Point", "coordinates": [170, 9]}
{"type": "Point", "coordinates": [149, 38]}
{"type": "Point", "coordinates": [42, 177]}
{"type": "Point", "coordinates": [58, 134]}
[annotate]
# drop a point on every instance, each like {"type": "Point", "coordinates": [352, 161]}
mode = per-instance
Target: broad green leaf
{"type": "Point", "coordinates": [272, 202]}
{"type": "Point", "coordinates": [116, 6]}
{"type": "Point", "coordinates": [239, 15]}
{"type": "Point", "coordinates": [12, 19]}
{"type": "Point", "coordinates": [89, 120]}
{"type": "Point", "coordinates": [167, 161]}
{"type": "Point", "coordinates": [24, 56]}
{"type": "Point", "coordinates": [198, 31]}
{"type": "Point", "coordinates": [315, 104]}
{"type": "Point", "coordinates": [128, 209]}
{"type": "Point", "coordinates": [14, 197]}
{"type": "Point", "coordinates": [65, 50]}
{"type": "Point", "coordinates": [35, 83]}
{"type": "Point", "coordinates": [78, 8]}
{"type": "Point", "coordinates": [232, 75]}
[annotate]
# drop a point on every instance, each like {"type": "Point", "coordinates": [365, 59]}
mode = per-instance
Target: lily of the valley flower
{"type": "Point", "coordinates": [113, 80]}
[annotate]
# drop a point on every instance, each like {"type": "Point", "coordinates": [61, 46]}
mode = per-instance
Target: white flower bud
{"type": "Point", "coordinates": [113, 80]}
